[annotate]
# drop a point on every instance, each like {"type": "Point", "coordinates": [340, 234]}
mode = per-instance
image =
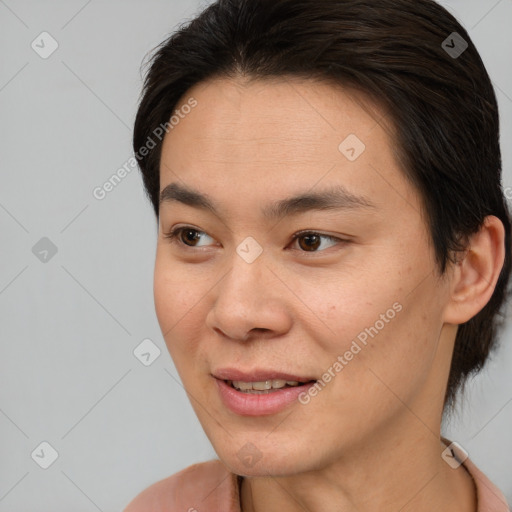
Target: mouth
{"type": "Point", "coordinates": [265, 386]}
{"type": "Point", "coordinates": [260, 392]}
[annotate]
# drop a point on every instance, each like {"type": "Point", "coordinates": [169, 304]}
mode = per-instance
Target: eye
{"type": "Point", "coordinates": [188, 233]}
{"type": "Point", "coordinates": [312, 240]}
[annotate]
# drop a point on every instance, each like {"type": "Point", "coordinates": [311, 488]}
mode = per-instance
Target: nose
{"type": "Point", "coordinates": [251, 302]}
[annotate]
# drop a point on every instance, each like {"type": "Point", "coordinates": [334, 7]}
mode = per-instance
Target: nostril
{"type": "Point", "coordinates": [260, 329]}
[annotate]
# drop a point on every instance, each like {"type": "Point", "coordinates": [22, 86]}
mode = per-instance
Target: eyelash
{"type": "Point", "coordinates": [173, 236]}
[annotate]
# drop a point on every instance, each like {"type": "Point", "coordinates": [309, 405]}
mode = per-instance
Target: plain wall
{"type": "Point", "coordinates": [70, 324]}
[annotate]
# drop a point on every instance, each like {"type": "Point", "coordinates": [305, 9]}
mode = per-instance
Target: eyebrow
{"type": "Point", "coordinates": [333, 198]}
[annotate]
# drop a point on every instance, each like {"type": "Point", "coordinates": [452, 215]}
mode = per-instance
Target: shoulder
{"type": "Point", "coordinates": [205, 486]}
{"type": "Point", "coordinates": [490, 498]}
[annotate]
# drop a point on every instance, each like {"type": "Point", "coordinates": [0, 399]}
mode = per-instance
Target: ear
{"type": "Point", "coordinates": [474, 277]}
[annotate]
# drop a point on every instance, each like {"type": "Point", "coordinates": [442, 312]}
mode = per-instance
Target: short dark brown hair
{"type": "Point", "coordinates": [442, 107]}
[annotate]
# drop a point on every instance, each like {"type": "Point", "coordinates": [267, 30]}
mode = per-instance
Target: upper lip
{"type": "Point", "coordinates": [257, 375]}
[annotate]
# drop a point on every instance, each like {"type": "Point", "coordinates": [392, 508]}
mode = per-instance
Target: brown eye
{"type": "Point", "coordinates": [186, 236]}
{"type": "Point", "coordinates": [310, 241]}
{"type": "Point", "coordinates": [189, 235]}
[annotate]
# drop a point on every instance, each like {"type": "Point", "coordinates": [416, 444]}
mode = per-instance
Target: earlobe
{"type": "Point", "coordinates": [476, 273]}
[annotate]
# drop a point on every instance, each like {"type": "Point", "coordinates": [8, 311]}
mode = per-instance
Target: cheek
{"type": "Point", "coordinates": [178, 302]}
{"type": "Point", "coordinates": [397, 357]}
{"type": "Point", "coordinates": [338, 309]}
{"type": "Point", "coordinates": [389, 325]}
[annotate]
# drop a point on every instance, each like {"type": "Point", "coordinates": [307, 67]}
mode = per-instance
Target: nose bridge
{"type": "Point", "coordinates": [248, 266]}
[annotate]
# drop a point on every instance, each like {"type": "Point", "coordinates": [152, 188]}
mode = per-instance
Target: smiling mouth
{"type": "Point", "coordinates": [264, 387]}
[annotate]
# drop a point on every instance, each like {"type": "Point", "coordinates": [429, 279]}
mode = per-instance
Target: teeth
{"type": "Point", "coordinates": [244, 386]}
{"type": "Point", "coordinates": [263, 385]}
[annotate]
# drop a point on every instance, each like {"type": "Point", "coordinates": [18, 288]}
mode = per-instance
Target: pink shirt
{"type": "Point", "coordinates": [210, 487]}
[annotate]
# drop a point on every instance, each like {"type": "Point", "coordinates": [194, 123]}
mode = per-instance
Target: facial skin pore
{"type": "Point", "coordinates": [369, 440]}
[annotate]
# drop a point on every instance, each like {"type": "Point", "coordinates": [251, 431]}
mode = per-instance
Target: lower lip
{"type": "Point", "coordinates": [252, 404]}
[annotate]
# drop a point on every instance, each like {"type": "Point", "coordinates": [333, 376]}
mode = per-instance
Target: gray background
{"type": "Point", "coordinates": [70, 325]}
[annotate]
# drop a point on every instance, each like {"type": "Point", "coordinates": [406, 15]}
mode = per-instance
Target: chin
{"type": "Point", "coordinates": [249, 461]}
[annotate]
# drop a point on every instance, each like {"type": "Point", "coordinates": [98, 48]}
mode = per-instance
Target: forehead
{"type": "Point", "coordinates": [259, 138]}
{"type": "Point", "coordinates": [286, 110]}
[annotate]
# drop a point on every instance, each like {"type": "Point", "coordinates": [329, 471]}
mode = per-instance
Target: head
{"type": "Point", "coordinates": [396, 291]}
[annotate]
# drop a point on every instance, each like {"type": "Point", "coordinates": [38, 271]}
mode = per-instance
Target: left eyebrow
{"type": "Point", "coordinates": [333, 198]}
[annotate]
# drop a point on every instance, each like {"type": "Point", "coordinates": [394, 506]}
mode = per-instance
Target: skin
{"type": "Point", "coordinates": [370, 440]}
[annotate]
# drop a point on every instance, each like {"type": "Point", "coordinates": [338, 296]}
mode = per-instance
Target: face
{"type": "Point", "coordinates": [337, 291]}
